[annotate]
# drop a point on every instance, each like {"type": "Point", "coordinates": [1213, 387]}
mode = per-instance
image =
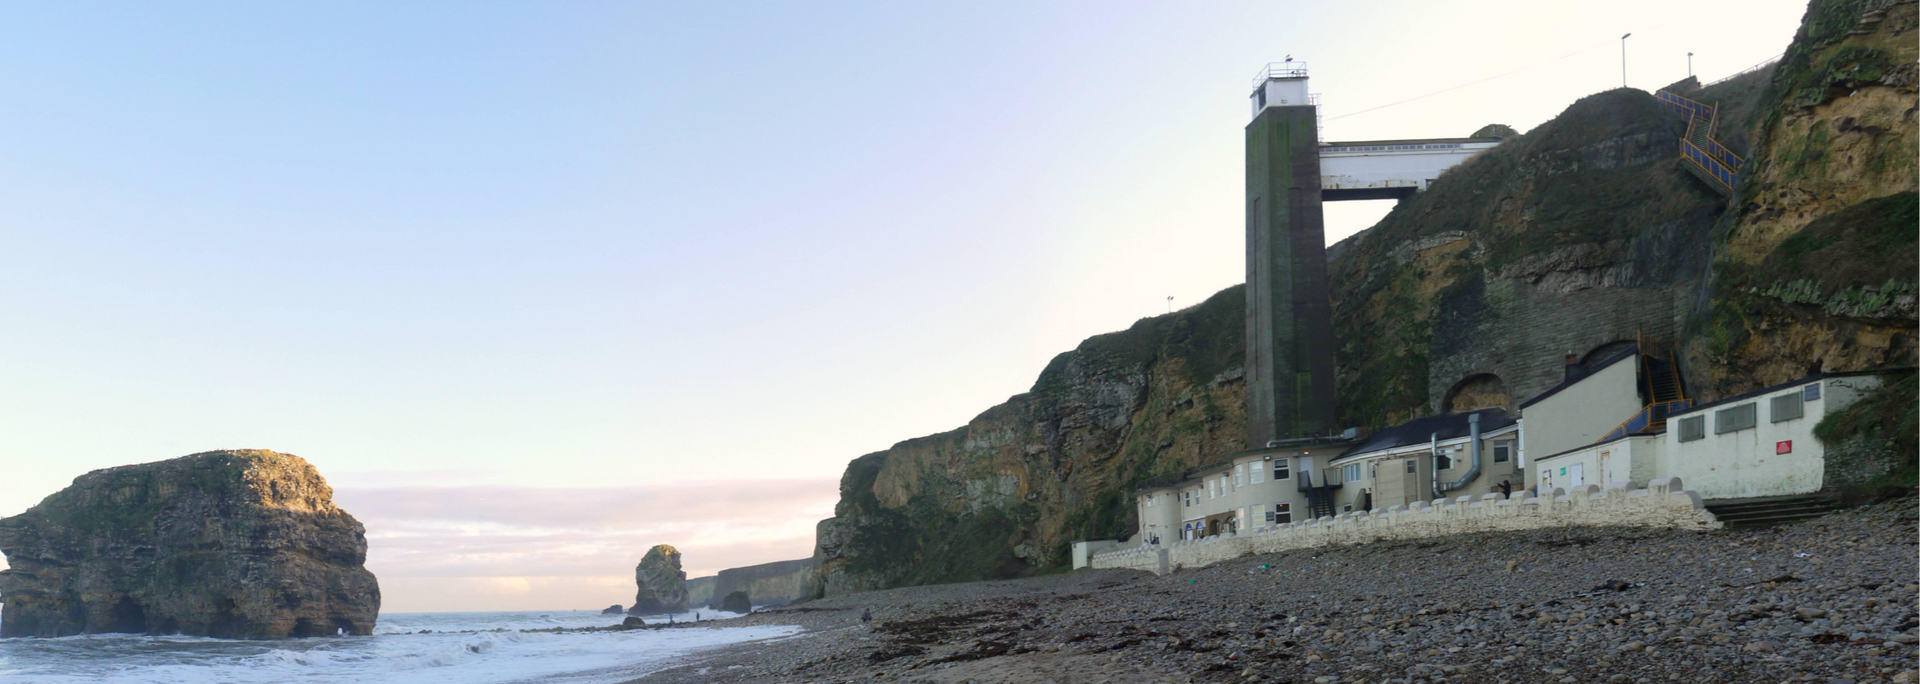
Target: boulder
{"type": "Point", "coordinates": [231, 544]}
{"type": "Point", "coordinates": [737, 602]}
{"type": "Point", "coordinates": [663, 585]}
{"type": "Point", "coordinates": [614, 609]}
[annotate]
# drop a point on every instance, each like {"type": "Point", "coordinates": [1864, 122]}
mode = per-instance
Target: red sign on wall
{"type": "Point", "coordinates": [1785, 447]}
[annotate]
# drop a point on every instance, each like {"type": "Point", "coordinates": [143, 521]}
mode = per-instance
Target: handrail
{"type": "Point", "coordinates": [1714, 168]}
{"type": "Point", "coordinates": [1645, 417]}
{"type": "Point", "coordinates": [1747, 70]}
{"type": "Point", "coordinates": [1288, 69]}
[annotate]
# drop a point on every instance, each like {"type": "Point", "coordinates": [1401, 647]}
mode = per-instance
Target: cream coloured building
{"type": "Point", "coordinates": [1243, 491]}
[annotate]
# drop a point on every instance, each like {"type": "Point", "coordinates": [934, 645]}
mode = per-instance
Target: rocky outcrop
{"type": "Point", "coordinates": [1817, 267]}
{"type": "Point", "coordinates": [231, 544]}
{"type": "Point", "coordinates": [614, 609]}
{"type": "Point", "coordinates": [663, 585]}
{"type": "Point", "coordinates": [1004, 495]}
{"type": "Point", "coordinates": [771, 584]}
{"type": "Point", "coordinates": [737, 602]}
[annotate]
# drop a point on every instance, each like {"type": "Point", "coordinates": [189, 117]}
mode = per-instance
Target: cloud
{"type": "Point", "coordinates": [501, 547]}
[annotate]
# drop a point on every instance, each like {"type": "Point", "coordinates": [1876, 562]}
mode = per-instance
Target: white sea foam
{"type": "Point", "coordinates": [483, 648]}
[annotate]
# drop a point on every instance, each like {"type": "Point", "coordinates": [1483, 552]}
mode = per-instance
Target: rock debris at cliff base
{"type": "Point", "coordinates": [1824, 601]}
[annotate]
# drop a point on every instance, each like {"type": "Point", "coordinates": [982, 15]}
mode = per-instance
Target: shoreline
{"type": "Point", "coordinates": [1831, 598]}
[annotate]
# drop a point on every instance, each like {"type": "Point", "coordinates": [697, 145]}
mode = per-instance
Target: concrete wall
{"type": "Point", "coordinates": [1083, 550]}
{"type": "Point", "coordinates": [1289, 366]}
{"type": "Point", "coordinates": [1745, 464]}
{"type": "Point", "coordinates": [1664, 504]}
{"type": "Point", "coordinates": [1583, 413]}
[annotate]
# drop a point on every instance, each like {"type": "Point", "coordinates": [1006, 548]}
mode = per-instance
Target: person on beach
{"type": "Point", "coordinates": [866, 615]}
{"type": "Point", "coordinates": [1506, 489]}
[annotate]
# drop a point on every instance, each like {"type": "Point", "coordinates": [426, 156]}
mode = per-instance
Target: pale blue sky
{"type": "Point", "coordinates": [582, 245]}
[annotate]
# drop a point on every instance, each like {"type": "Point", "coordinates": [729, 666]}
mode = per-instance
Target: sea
{"type": "Point", "coordinates": [406, 648]}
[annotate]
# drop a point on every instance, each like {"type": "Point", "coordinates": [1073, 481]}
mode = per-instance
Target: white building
{"type": "Point", "coordinates": [1756, 444]}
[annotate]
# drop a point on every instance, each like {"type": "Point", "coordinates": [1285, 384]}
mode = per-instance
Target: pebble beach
{"type": "Point", "coordinates": [1832, 600]}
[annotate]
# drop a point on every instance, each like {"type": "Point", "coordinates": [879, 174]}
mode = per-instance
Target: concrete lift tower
{"type": "Point", "coordinates": [1289, 174]}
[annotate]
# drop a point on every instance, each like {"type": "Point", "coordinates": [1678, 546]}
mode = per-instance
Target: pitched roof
{"type": "Point", "coordinates": [1423, 430]}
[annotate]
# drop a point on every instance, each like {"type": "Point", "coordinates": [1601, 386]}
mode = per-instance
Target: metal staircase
{"type": "Point", "coordinates": [1661, 387]}
{"type": "Point", "coordinates": [1706, 158]}
{"type": "Point", "coordinates": [1320, 497]}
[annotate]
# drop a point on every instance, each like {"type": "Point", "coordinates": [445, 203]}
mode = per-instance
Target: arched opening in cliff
{"type": "Point", "coordinates": [1475, 392]}
{"type": "Point", "coordinates": [1605, 351]}
{"type": "Point", "coordinates": [127, 615]}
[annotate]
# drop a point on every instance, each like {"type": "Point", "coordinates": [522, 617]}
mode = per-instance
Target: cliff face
{"type": "Point", "coordinates": [662, 584]}
{"type": "Point", "coordinates": [1579, 236]}
{"type": "Point", "coordinates": [231, 544]}
{"type": "Point", "coordinates": [1816, 269]}
{"type": "Point", "coordinates": [1003, 496]}
{"type": "Point", "coordinates": [775, 584]}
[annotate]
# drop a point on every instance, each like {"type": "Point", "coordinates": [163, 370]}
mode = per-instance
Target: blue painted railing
{"type": "Point", "coordinates": [1652, 413]}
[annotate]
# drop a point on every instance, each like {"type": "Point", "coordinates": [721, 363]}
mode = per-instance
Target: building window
{"type": "Point", "coordinates": [1373, 470]}
{"type": "Point", "coordinates": [1282, 469]}
{"type": "Point", "coordinates": [1785, 407]}
{"type": "Point", "coordinates": [1413, 466]}
{"type": "Point", "coordinates": [1443, 462]}
{"type": "Point", "coordinates": [1213, 489]}
{"type": "Point", "coordinates": [1502, 452]}
{"type": "Point", "coordinates": [1256, 472]}
{"type": "Point", "coordinates": [1734, 419]}
{"type": "Point", "coordinates": [1353, 472]}
{"type": "Point", "coordinates": [1239, 475]}
{"type": "Point", "coordinates": [1282, 513]}
{"type": "Point", "coordinates": [1693, 428]}
{"type": "Point", "coordinates": [1346, 508]}
{"type": "Point", "coordinates": [1812, 392]}
{"type": "Point", "coordinates": [1262, 516]}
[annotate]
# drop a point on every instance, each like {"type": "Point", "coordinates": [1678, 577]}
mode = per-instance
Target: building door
{"type": "Point", "coordinates": [1606, 467]}
{"type": "Point", "coordinates": [1412, 467]}
{"type": "Point", "coordinates": [1575, 478]}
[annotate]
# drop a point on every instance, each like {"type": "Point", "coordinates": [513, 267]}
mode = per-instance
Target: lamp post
{"type": "Point", "coordinates": [1689, 65]}
{"type": "Point", "coordinates": [1169, 303]}
{"type": "Point", "coordinates": [1623, 60]}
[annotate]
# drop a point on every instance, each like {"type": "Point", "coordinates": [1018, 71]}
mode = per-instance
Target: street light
{"type": "Point", "coordinates": [1623, 60]}
{"type": "Point", "coordinates": [1170, 297]}
{"type": "Point", "coordinates": [1689, 65]}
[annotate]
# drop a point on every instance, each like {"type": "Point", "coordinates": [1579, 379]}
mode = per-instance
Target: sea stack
{"type": "Point", "coordinates": [231, 544]}
{"type": "Point", "coordinates": [663, 585]}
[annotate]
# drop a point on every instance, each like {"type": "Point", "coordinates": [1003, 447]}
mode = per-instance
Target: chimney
{"type": "Point", "coordinates": [1573, 366]}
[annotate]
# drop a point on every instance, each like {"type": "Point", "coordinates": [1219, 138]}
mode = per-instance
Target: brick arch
{"type": "Point", "coordinates": [1605, 351]}
{"type": "Point", "coordinates": [1477, 391]}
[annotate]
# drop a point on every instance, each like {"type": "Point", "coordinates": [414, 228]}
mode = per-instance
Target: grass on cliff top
{"type": "Point", "coordinates": [1210, 337]}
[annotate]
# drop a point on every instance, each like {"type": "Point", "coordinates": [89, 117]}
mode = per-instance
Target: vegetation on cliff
{"type": "Point", "coordinates": [233, 544]}
{"type": "Point", "coordinates": [1817, 267]}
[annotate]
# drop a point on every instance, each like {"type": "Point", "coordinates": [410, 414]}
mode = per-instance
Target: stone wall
{"type": "Point", "coordinates": [1662, 504]}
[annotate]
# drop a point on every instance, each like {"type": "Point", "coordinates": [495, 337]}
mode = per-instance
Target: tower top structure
{"type": "Point", "coordinates": [1281, 84]}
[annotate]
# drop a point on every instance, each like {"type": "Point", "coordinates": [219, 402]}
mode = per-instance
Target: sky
{"type": "Point", "coordinates": [539, 285]}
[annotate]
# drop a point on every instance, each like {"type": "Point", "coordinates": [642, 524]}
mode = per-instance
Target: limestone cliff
{"type": "Point", "coordinates": [232, 544]}
{"type": "Point", "coordinates": [770, 584]}
{"type": "Point", "coordinates": [1816, 269]}
{"type": "Point", "coordinates": [700, 590]}
{"type": "Point", "coordinates": [1003, 495]}
{"type": "Point", "coordinates": [662, 584]}
{"type": "Point", "coordinates": [1581, 236]}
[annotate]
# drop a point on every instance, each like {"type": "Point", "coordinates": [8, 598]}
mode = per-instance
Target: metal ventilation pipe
{"type": "Point", "coordinates": [1473, 439]}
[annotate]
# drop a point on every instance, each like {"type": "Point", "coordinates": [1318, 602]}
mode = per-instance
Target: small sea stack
{"type": "Point", "coordinates": [233, 544]}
